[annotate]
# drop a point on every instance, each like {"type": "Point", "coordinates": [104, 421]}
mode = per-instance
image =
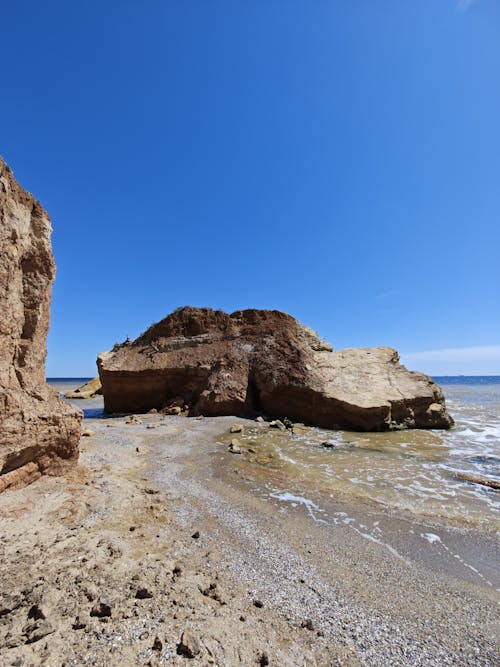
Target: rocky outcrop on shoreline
{"type": "Point", "coordinates": [256, 362]}
{"type": "Point", "coordinates": [38, 431]}
{"type": "Point", "coordinates": [88, 390]}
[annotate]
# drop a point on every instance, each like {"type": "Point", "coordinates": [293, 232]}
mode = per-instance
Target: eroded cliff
{"type": "Point", "coordinates": [38, 431]}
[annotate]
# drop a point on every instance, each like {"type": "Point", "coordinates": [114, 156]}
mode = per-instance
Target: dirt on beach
{"type": "Point", "coordinates": [157, 551]}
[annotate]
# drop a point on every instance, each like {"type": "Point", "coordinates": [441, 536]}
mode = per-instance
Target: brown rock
{"type": "Point", "coordinates": [88, 390]}
{"type": "Point", "coordinates": [257, 361]}
{"type": "Point", "coordinates": [38, 431]}
{"type": "Point", "coordinates": [234, 446]}
{"type": "Point", "coordinates": [189, 645]}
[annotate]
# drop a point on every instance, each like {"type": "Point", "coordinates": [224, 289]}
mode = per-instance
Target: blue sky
{"type": "Point", "coordinates": [336, 160]}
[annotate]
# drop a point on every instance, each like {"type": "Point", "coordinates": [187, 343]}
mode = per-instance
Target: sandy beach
{"type": "Point", "coordinates": [159, 549]}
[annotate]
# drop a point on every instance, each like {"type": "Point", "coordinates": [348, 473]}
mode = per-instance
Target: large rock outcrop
{"type": "Point", "coordinates": [265, 362]}
{"type": "Point", "coordinates": [38, 431]}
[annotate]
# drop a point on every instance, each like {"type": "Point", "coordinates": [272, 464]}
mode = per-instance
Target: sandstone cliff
{"type": "Point", "coordinates": [38, 431]}
{"type": "Point", "coordinates": [265, 362]}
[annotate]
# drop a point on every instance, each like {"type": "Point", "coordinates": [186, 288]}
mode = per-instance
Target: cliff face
{"type": "Point", "coordinates": [265, 362]}
{"type": "Point", "coordinates": [37, 430]}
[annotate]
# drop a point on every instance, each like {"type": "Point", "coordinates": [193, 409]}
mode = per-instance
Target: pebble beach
{"type": "Point", "coordinates": [165, 548]}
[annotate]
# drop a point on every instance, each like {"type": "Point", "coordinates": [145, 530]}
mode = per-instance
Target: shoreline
{"type": "Point", "coordinates": [330, 595]}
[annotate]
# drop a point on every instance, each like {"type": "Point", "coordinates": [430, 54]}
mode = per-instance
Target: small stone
{"type": "Point", "coordinates": [143, 594]}
{"type": "Point", "coordinates": [9, 602]}
{"type": "Point", "coordinates": [38, 631]}
{"type": "Point", "coordinates": [101, 610]}
{"type": "Point", "coordinates": [307, 624]}
{"type": "Point", "coordinates": [189, 645]}
{"type": "Point", "coordinates": [196, 535]}
{"type": "Point", "coordinates": [144, 635]}
{"type": "Point", "coordinates": [157, 644]}
{"type": "Point", "coordinates": [153, 411]}
{"type": "Point", "coordinates": [277, 424]}
{"type": "Point", "coordinates": [174, 410]}
{"type": "Point", "coordinates": [87, 433]}
{"type": "Point", "coordinates": [264, 660]}
{"type": "Point", "coordinates": [234, 447]}
{"type": "Point", "coordinates": [258, 603]}
{"type": "Point", "coordinates": [36, 613]}
{"type": "Point", "coordinates": [260, 419]}
{"type": "Point", "coordinates": [328, 445]}
{"type": "Point", "coordinates": [236, 428]}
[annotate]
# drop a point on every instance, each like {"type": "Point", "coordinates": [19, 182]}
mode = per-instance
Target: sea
{"type": "Point", "coordinates": [413, 470]}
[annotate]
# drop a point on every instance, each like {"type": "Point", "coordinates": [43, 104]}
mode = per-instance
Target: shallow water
{"type": "Point", "coordinates": [411, 470]}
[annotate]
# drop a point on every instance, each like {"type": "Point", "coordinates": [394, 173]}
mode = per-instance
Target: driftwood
{"type": "Point", "coordinates": [477, 479]}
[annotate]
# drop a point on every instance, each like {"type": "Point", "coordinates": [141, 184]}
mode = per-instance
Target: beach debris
{"type": "Point", "coordinates": [236, 428]}
{"type": "Point", "coordinates": [189, 645]}
{"type": "Point", "coordinates": [234, 446]}
{"type": "Point", "coordinates": [87, 433]}
{"type": "Point", "coordinates": [479, 479]}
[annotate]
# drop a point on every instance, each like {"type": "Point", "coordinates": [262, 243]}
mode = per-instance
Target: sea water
{"type": "Point", "coordinates": [413, 470]}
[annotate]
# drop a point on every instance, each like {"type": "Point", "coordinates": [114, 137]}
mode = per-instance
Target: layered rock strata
{"type": "Point", "coordinates": [265, 362]}
{"type": "Point", "coordinates": [38, 431]}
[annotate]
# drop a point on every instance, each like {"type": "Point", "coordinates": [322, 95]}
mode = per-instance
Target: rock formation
{"type": "Point", "coordinates": [87, 390]}
{"type": "Point", "coordinates": [38, 431]}
{"type": "Point", "coordinates": [265, 362]}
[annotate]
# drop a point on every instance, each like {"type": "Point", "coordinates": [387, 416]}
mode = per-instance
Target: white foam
{"type": "Point", "coordinates": [294, 500]}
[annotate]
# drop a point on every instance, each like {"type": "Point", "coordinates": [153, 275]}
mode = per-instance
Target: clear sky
{"type": "Point", "coordinates": [338, 160]}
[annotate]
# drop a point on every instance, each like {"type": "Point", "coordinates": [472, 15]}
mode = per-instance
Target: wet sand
{"type": "Point", "coordinates": [102, 568]}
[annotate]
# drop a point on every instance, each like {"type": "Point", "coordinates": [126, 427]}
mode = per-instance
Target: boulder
{"type": "Point", "coordinates": [87, 390]}
{"type": "Point", "coordinates": [38, 431]}
{"type": "Point", "coordinates": [265, 362]}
